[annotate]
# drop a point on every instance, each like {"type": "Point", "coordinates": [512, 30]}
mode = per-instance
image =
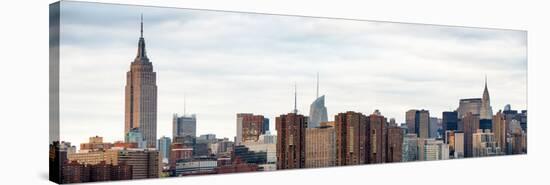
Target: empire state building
{"type": "Point", "coordinates": [141, 97]}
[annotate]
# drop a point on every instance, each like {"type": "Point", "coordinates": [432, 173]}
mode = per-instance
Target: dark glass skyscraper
{"type": "Point", "coordinates": [450, 120]}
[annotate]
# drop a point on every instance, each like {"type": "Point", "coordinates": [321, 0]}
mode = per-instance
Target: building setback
{"type": "Point", "coordinates": [351, 138]}
{"type": "Point", "coordinates": [291, 130]}
{"type": "Point", "coordinates": [141, 96]}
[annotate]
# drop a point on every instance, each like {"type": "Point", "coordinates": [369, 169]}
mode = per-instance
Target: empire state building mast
{"type": "Point", "coordinates": [140, 113]}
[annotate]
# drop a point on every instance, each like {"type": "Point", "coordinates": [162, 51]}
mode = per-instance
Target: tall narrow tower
{"type": "Point", "coordinates": [486, 111]}
{"type": "Point", "coordinates": [141, 96]}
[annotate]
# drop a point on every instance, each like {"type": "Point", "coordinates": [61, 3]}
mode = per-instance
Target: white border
{"type": "Point", "coordinates": [24, 88]}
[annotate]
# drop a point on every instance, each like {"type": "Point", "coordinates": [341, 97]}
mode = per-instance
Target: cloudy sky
{"type": "Point", "coordinates": [227, 63]}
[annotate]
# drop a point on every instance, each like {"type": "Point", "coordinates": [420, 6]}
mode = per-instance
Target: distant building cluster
{"type": "Point", "coordinates": [351, 138]}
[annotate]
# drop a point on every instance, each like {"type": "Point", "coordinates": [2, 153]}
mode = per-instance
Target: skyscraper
{"type": "Point", "coordinates": [394, 144]}
{"type": "Point", "coordinates": [434, 127]}
{"type": "Point", "coordinates": [459, 144]}
{"type": "Point", "coordinates": [291, 131]}
{"type": "Point", "coordinates": [410, 120]}
{"type": "Point", "coordinates": [471, 124]}
{"type": "Point", "coordinates": [145, 163]}
{"type": "Point", "coordinates": [418, 122]}
{"type": "Point", "coordinates": [410, 148]}
{"type": "Point", "coordinates": [163, 147]}
{"type": "Point", "coordinates": [376, 147]}
{"type": "Point", "coordinates": [486, 111]}
{"type": "Point", "coordinates": [136, 136]}
{"type": "Point", "coordinates": [484, 144]}
{"type": "Point", "coordinates": [185, 125]}
{"type": "Point", "coordinates": [141, 96]}
{"type": "Point", "coordinates": [351, 138]}
{"type": "Point", "coordinates": [317, 110]}
{"type": "Point", "coordinates": [450, 120]}
{"type": "Point", "coordinates": [265, 127]}
{"type": "Point", "coordinates": [499, 129]}
{"type": "Point", "coordinates": [434, 150]}
{"type": "Point", "coordinates": [249, 127]}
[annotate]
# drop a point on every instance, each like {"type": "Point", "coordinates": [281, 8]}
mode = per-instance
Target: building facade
{"type": "Point", "coordinates": [376, 141]}
{"type": "Point", "coordinates": [320, 147]}
{"type": "Point", "coordinates": [144, 163]}
{"type": "Point", "coordinates": [449, 121]}
{"type": "Point", "coordinates": [317, 112]}
{"type": "Point", "coordinates": [471, 105]}
{"type": "Point", "coordinates": [351, 138]}
{"type": "Point", "coordinates": [250, 127]}
{"type": "Point", "coordinates": [163, 146]}
{"type": "Point", "coordinates": [95, 143]}
{"type": "Point", "coordinates": [291, 130]}
{"type": "Point", "coordinates": [394, 144]}
{"type": "Point", "coordinates": [435, 150]}
{"type": "Point", "coordinates": [410, 148]}
{"type": "Point", "coordinates": [471, 124]}
{"type": "Point", "coordinates": [136, 136]}
{"type": "Point", "coordinates": [185, 125]}
{"type": "Point", "coordinates": [499, 129]}
{"type": "Point", "coordinates": [458, 144]}
{"type": "Point", "coordinates": [418, 122]}
{"type": "Point", "coordinates": [484, 144]}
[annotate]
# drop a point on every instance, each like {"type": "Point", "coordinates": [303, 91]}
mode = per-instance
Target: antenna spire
{"type": "Point", "coordinates": [485, 80]}
{"type": "Point", "coordinates": [142, 25]}
{"type": "Point", "coordinates": [317, 84]}
{"type": "Point", "coordinates": [295, 99]}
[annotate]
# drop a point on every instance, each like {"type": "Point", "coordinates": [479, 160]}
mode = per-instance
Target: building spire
{"type": "Point", "coordinates": [317, 84]}
{"type": "Point", "coordinates": [486, 90]}
{"type": "Point", "coordinates": [141, 54]}
{"type": "Point", "coordinates": [486, 111]}
{"type": "Point", "coordinates": [141, 35]}
{"type": "Point", "coordinates": [295, 99]}
{"type": "Point", "coordinates": [485, 81]}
